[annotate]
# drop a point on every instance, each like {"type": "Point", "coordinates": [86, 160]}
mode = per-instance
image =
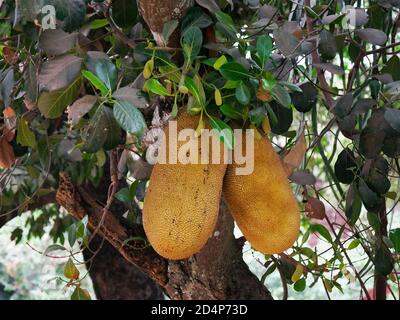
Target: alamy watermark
{"type": "Point", "coordinates": [188, 147]}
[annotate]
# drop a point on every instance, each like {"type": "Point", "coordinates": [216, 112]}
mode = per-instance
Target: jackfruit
{"type": "Point", "coordinates": [182, 202]}
{"type": "Point", "coordinates": [262, 203]}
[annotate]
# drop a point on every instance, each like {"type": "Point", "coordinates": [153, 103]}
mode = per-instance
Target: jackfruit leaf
{"type": "Point", "coordinates": [53, 248]}
{"type": "Point", "coordinates": [101, 65]}
{"type": "Point", "coordinates": [332, 68]}
{"type": "Point", "coordinates": [392, 67]}
{"type": "Point", "coordinates": [7, 156]}
{"type": "Point", "coordinates": [60, 72]}
{"type": "Point", "coordinates": [345, 166]}
{"type": "Point", "coordinates": [395, 238]}
{"type": "Point", "coordinates": [196, 17]}
{"type": "Point", "coordinates": [192, 42]}
{"type": "Point", "coordinates": [280, 94]}
{"type": "Point", "coordinates": [327, 45]}
{"type": "Point", "coordinates": [57, 42]}
{"type": "Point", "coordinates": [210, 5]}
{"type": "Point", "coordinates": [124, 195]}
{"type": "Point", "coordinates": [129, 118]}
{"type": "Point", "coordinates": [70, 270]}
{"type": "Point", "coordinates": [369, 198]}
{"type": "Point", "coordinates": [124, 12]}
{"type": "Point", "coordinates": [264, 49]}
{"type": "Point", "coordinates": [80, 294]}
{"type": "Point", "coordinates": [53, 104]}
{"type": "Point", "coordinates": [281, 117]}
{"type": "Point", "coordinates": [243, 94]}
{"type": "Point", "coordinates": [225, 132]}
{"type": "Point", "coordinates": [287, 43]}
{"type": "Point", "coordinates": [371, 142]}
{"type": "Point", "coordinates": [96, 82]}
{"type": "Point", "coordinates": [383, 260]}
{"type": "Point", "coordinates": [315, 209]}
{"type": "Point", "coordinates": [25, 136]}
{"type": "Point", "coordinates": [392, 116]}
{"type": "Point", "coordinates": [234, 71]}
{"type": "Point", "coordinates": [374, 36]}
{"type": "Point", "coordinates": [300, 285]}
{"type": "Point", "coordinates": [80, 108]}
{"type": "Point", "coordinates": [296, 156]}
{"type": "Point", "coordinates": [231, 112]}
{"type": "Point", "coordinates": [306, 99]}
{"type": "Point", "coordinates": [319, 228]}
{"type": "Point", "coordinates": [102, 131]}
{"type": "Point", "coordinates": [195, 91]}
{"type": "Point", "coordinates": [303, 178]}
{"type": "Point", "coordinates": [156, 87]}
{"type": "Point", "coordinates": [343, 105]}
{"type": "Point", "coordinates": [135, 96]}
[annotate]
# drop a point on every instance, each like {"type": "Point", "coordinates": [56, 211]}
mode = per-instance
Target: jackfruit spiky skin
{"type": "Point", "coordinates": [182, 203]}
{"type": "Point", "coordinates": [263, 204]}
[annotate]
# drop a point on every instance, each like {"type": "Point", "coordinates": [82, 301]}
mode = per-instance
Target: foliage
{"type": "Point", "coordinates": [99, 82]}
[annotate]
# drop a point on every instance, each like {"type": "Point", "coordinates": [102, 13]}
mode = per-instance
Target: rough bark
{"type": "Point", "coordinates": [114, 278]}
{"type": "Point", "coordinates": [156, 13]}
{"type": "Point", "coordinates": [217, 272]}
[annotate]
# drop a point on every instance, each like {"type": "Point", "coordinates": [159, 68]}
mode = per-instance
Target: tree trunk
{"type": "Point", "coordinates": [114, 278]}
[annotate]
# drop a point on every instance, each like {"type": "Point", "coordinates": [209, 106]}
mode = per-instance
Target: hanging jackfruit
{"type": "Point", "coordinates": [182, 202]}
{"type": "Point", "coordinates": [263, 203]}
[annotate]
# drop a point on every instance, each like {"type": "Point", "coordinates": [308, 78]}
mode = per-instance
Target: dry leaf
{"type": "Point", "coordinates": [10, 122]}
{"type": "Point", "coordinates": [7, 156]}
{"type": "Point", "coordinates": [315, 209]}
{"type": "Point", "coordinates": [9, 55]}
{"type": "Point", "coordinates": [295, 157]}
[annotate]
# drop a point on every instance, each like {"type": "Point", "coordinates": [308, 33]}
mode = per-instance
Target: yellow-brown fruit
{"type": "Point", "coordinates": [263, 203]}
{"type": "Point", "coordinates": [182, 203]}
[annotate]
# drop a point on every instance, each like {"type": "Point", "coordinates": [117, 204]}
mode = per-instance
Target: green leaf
{"type": "Point", "coordinates": [264, 48]}
{"type": "Point", "coordinates": [192, 42]}
{"type": "Point", "coordinates": [72, 13]}
{"type": "Point", "coordinates": [226, 20]}
{"type": "Point", "coordinates": [225, 132]}
{"type": "Point", "coordinates": [383, 260]}
{"type": "Point", "coordinates": [319, 228]}
{"type": "Point", "coordinates": [53, 248]}
{"type": "Point", "coordinates": [231, 112]}
{"type": "Point", "coordinates": [220, 62]}
{"type": "Point", "coordinates": [80, 294]}
{"type": "Point", "coordinates": [234, 71]}
{"type": "Point", "coordinates": [196, 17]}
{"type": "Point", "coordinates": [53, 104]}
{"type": "Point", "coordinates": [102, 131]}
{"type": "Point", "coordinates": [96, 82]}
{"type": "Point", "coordinates": [156, 87]}
{"type": "Point", "coordinates": [101, 65]}
{"type": "Point", "coordinates": [280, 94]}
{"type": "Point", "coordinates": [70, 270]}
{"type": "Point", "coordinates": [98, 24]}
{"type": "Point", "coordinates": [129, 117]}
{"type": "Point", "coordinates": [395, 238]}
{"type": "Point", "coordinates": [124, 195]}
{"type": "Point", "coordinates": [354, 244]}
{"type": "Point", "coordinates": [327, 45]}
{"type": "Point", "coordinates": [300, 285]}
{"type": "Point", "coordinates": [25, 136]}
{"type": "Point", "coordinates": [124, 12]}
{"type": "Point", "coordinates": [243, 94]}
{"type": "Point", "coordinates": [195, 91]}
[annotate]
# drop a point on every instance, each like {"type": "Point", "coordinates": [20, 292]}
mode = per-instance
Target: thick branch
{"type": "Point", "coordinates": [217, 272]}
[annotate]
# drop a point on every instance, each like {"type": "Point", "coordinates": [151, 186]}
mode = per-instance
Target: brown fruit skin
{"type": "Point", "coordinates": [182, 203]}
{"type": "Point", "coordinates": [263, 204]}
